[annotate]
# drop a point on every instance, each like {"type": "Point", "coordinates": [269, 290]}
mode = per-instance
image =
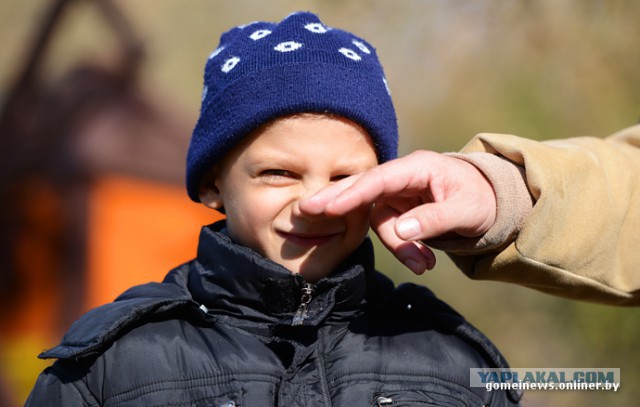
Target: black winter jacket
{"type": "Point", "coordinates": [232, 328]}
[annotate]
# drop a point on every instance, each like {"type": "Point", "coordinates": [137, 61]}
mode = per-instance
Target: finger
{"type": "Point", "coordinates": [413, 255]}
{"type": "Point", "coordinates": [316, 204]}
{"type": "Point", "coordinates": [389, 179]}
{"type": "Point", "coordinates": [401, 176]}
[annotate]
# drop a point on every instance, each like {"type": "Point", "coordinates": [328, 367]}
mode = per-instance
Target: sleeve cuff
{"type": "Point", "coordinates": [513, 205]}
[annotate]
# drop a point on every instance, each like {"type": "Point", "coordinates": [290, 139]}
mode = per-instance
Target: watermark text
{"type": "Point", "coordinates": [607, 379]}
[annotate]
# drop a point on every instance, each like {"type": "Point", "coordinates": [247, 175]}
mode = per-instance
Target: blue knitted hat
{"type": "Point", "coordinates": [262, 71]}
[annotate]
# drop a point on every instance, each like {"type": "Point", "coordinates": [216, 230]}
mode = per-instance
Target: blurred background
{"type": "Point", "coordinates": [98, 99]}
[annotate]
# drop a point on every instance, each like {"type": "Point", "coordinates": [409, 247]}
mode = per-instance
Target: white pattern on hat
{"type": "Point", "coordinates": [361, 45]}
{"type": "Point", "coordinates": [204, 92]}
{"type": "Point", "coordinates": [287, 46]}
{"type": "Point", "coordinates": [256, 35]}
{"type": "Point", "coordinates": [216, 52]}
{"type": "Point", "coordinates": [386, 85]}
{"type": "Point", "coordinates": [349, 53]}
{"type": "Point", "coordinates": [316, 28]}
{"type": "Point", "coordinates": [229, 64]}
{"type": "Point", "coordinates": [243, 26]}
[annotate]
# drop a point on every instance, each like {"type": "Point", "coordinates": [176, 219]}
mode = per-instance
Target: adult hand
{"type": "Point", "coordinates": [421, 196]}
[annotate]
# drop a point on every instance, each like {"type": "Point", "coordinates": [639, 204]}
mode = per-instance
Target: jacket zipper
{"type": "Point", "coordinates": [301, 313]}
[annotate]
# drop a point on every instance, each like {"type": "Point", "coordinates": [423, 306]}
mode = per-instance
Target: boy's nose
{"type": "Point", "coordinates": [309, 189]}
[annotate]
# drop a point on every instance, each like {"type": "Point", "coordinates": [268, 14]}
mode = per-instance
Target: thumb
{"type": "Point", "coordinates": [428, 221]}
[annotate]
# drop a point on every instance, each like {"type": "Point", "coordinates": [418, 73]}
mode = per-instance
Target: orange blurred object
{"type": "Point", "coordinates": [138, 231]}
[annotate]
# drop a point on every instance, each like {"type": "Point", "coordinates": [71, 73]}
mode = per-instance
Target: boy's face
{"type": "Point", "coordinates": [262, 180]}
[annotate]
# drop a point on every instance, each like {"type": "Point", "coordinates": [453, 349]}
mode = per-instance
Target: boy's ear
{"type": "Point", "coordinates": [209, 192]}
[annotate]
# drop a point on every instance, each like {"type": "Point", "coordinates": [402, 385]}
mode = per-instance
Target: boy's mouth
{"type": "Point", "coordinates": [307, 239]}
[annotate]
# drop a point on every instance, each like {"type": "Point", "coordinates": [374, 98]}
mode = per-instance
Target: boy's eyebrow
{"type": "Point", "coordinates": [270, 154]}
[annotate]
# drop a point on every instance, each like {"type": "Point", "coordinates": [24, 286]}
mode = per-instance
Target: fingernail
{"type": "Point", "coordinates": [414, 266]}
{"type": "Point", "coordinates": [408, 228]}
{"type": "Point", "coordinates": [313, 198]}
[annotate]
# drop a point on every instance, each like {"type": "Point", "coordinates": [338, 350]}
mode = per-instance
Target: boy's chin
{"type": "Point", "coordinates": [311, 272]}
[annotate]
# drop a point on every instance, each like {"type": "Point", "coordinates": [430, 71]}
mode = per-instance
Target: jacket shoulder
{"type": "Point", "coordinates": [423, 303]}
{"type": "Point", "coordinates": [99, 327]}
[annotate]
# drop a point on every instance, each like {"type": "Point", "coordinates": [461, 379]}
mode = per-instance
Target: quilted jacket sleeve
{"type": "Point", "coordinates": [62, 385]}
{"type": "Point", "coordinates": [581, 239]}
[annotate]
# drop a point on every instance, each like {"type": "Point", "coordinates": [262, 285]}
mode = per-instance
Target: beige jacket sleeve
{"type": "Point", "coordinates": [581, 238]}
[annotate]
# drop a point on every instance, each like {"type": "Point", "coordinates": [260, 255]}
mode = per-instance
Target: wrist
{"type": "Point", "coordinates": [513, 204]}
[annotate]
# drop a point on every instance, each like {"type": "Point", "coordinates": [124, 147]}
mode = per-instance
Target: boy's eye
{"type": "Point", "coordinates": [337, 178]}
{"type": "Point", "coordinates": [277, 175]}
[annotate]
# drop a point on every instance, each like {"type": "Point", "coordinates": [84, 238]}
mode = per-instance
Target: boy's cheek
{"type": "Point", "coordinates": [366, 217]}
{"type": "Point", "coordinates": [360, 222]}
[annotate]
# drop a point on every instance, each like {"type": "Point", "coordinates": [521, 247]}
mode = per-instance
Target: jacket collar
{"type": "Point", "coordinates": [238, 282]}
{"type": "Point", "coordinates": [234, 282]}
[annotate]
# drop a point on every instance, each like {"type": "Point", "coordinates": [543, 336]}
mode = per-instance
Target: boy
{"type": "Point", "coordinates": [280, 307]}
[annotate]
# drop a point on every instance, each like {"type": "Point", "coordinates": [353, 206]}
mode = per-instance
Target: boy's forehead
{"type": "Point", "coordinates": [308, 134]}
